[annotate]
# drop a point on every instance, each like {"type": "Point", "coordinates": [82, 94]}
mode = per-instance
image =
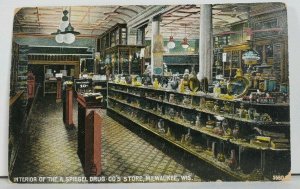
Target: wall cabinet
{"type": "Point", "coordinates": [272, 43]}
{"type": "Point", "coordinates": [125, 59]}
{"type": "Point", "coordinates": [116, 35]}
{"type": "Point", "coordinates": [223, 133]}
{"type": "Point", "coordinates": [22, 70]}
{"type": "Point", "coordinates": [234, 60]}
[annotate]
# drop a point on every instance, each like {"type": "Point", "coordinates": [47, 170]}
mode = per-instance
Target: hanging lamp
{"type": "Point", "coordinates": [65, 33]}
{"type": "Point", "coordinates": [250, 57]}
{"type": "Point", "coordinates": [171, 44]}
{"type": "Point", "coordinates": [184, 43]}
{"type": "Point", "coordinates": [64, 21]}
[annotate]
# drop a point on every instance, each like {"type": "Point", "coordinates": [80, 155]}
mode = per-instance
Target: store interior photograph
{"type": "Point", "coordinates": [150, 93]}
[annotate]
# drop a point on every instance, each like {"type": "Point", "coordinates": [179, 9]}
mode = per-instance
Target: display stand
{"type": "Point", "coordinates": [58, 93]}
{"type": "Point", "coordinates": [30, 85]}
{"type": "Point", "coordinates": [89, 133]}
{"type": "Point", "coordinates": [69, 106]}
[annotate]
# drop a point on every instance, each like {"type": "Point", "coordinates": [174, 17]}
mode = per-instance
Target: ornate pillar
{"type": "Point", "coordinates": [156, 45]}
{"type": "Point", "coordinates": [205, 43]}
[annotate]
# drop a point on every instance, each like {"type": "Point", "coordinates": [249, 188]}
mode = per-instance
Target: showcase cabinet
{"type": "Point", "coordinates": [21, 68]}
{"type": "Point", "coordinates": [124, 59]}
{"type": "Point", "coordinates": [245, 140]}
{"type": "Point", "coordinates": [234, 59]}
{"type": "Point", "coordinates": [116, 35]}
{"type": "Point", "coordinates": [50, 81]}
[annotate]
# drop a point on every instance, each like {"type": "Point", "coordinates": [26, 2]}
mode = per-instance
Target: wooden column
{"type": "Point", "coordinates": [205, 43]}
{"type": "Point", "coordinates": [69, 106]}
{"type": "Point", "coordinates": [58, 90]}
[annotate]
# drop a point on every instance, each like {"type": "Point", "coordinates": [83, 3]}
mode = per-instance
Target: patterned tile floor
{"type": "Point", "coordinates": [51, 149]}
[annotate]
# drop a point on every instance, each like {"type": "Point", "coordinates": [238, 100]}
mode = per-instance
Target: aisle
{"type": "Point", "coordinates": [51, 149]}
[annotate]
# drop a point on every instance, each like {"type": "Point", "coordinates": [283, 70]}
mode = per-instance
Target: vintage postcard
{"type": "Point", "coordinates": [150, 94]}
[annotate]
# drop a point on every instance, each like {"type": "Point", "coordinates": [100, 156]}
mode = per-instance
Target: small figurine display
{"type": "Point", "coordinates": [181, 86]}
{"type": "Point", "coordinates": [232, 162]}
{"type": "Point", "coordinates": [217, 89]}
{"type": "Point", "coordinates": [174, 82]}
{"type": "Point", "coordinates": [160, 126]}
{"type": "Point", "coordinates": [168, 134]}
{"type": "Point", "coordinates": [236, 131]}
{"type": "Point", "coordinates": [172, 98]}
{"type": "Point", "coordinates": [155, 84]}
{"type": "Point", "coordinates": [188, 137]}
{"type": "Point", "coordinates": [197, 122]}
{"type": "Point", "coordinates": [186, 101]}
{"type": "Point", "coordinates": [172, 113]}
{"type": "Point", "coordinates": [193, 82]}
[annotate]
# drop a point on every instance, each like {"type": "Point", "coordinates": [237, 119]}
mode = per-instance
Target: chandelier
{"type": "Point", "coordinates": [65, 32]}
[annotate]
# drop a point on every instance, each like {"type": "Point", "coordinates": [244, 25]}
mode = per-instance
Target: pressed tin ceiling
{"type": "Point", "coordinates": [94, 20]}
{"type": "Point", "coordinates": [88, 20]}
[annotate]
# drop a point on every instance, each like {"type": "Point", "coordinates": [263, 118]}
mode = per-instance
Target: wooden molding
{"type": "Point", "coordinates": [42, 62]}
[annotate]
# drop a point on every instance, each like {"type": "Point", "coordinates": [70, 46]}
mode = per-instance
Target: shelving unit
{"type": "Point", "coordinates": [22, 69]}
{"type": "Point", "coordinates": [116, 35]}
{"type": "Point", "coordinates": [234, 59]}
{"type": "Point", "coordinates": [50, 86]}
{"type": "Point", "coordinates": [124, 59]}
{"type": "Point", "coordinates": [103, 90]}
{"type": "Point", "coordinates": [147, 106]}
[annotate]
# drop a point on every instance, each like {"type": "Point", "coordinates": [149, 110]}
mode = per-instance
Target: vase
{"type": "Point", "coordinates": [193, 83]}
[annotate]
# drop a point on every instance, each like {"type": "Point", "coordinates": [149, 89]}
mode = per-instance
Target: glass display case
{"type": "Point", "coordinates": [125, 59]}
{"type": "Point", "coordinates": [233, 60]}
{"type": "Point", "coordinates": [116, 35]}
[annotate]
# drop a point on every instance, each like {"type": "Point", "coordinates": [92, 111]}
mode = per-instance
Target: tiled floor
{"type": "Point", "coordinates": [51, 149]}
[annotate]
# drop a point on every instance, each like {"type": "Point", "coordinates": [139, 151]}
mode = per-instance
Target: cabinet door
{"type": "Point", "coordinates": [112, 38]}
{"type": "Point", "coordinates": [123, 36]}
{"type": "Point", "coordinates": [136, 62]}
{"type": "Point", "coordinates": [124, 61]}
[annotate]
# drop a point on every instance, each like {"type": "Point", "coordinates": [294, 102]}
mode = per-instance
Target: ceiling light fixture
{"type": "Point", "coordinates": [64, 21]}
{"type": "Point", "coordinates": [171, 43]}
{"type": "Point", "coordinates": [250, 57]}
{"type": "Point", "coordinates": [65, 33]}
{"type": "Point", "coordinates": [184, 43]}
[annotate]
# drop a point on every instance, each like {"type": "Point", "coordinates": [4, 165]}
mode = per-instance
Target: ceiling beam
{"type": "Point", "coordinates": [129, 9]}
{"type": "Point", "coordinates": [182, 18]}
{"type": "Point", "coordinates": [117, 18]}
{"type": "Point", "coordinates": [114, 10]}
{"type": "Point", "coordinates": [86, 13]}
{"type": "Point", "coordinates": [122, 13]}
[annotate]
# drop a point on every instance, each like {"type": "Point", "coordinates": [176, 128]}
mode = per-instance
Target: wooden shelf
{"type": "Point", "coordinates": [204, 155]}
{"type": "Point", "coordinates": [13, 99]}
{"type": "Point", "coordinates": [144, 103]}
{"type": "Point", "coordinates": [199, 94]}
{"type": "Point", "coordinates": [228, 116]}
{"type": "Point", "coordinates": [201, 129]}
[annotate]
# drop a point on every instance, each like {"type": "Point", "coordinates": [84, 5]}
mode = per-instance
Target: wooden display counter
{"type": "Point", "coordinates": [89, 133]}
